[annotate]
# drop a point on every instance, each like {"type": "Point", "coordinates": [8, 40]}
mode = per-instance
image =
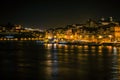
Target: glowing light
{"type": "Point", "coordinates": [110, 36]}
{"type": "Point", "coordinates": [100, 37]}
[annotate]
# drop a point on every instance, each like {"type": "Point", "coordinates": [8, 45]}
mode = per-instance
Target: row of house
{"type": "Point", "coordinates": [92, 31]}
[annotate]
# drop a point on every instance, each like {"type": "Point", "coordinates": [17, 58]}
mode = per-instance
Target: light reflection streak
{"type": "Point", "coordinates": [114, 50]}
{"type": "Point", "coordinates": [115, 65]}
{"type": "Point", "coordinates": [93, 48]}
{"type": "Point", "coordinates": [55, 46]}
{"type": "Point", "coordinates": [85, 47]}
{"type": "Point", "coordinates": [52, 69]}
{"type": "Point", "coordinates": [54, 64]}
{"type": "Point", "coordinates": [100, 49]}
{"type": "Point", "coordinates": [109, 48]}
{"type": "Point", "coordinates": [66, 47]}
{"type": "Point", "coordinates": [49, 46]}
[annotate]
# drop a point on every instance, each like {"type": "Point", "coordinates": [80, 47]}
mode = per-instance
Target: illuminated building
{"type": "Point", "coordinates": [91, 31]}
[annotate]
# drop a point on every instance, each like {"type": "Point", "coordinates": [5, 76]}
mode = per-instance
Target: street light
{"type": "Point", "coordinates": [110, 36]}
{"type": "Point", "coordinates": [100, 37]}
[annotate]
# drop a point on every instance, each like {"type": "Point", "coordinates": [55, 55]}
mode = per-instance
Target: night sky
{"type": "Point", "coordinates": [50, 14]}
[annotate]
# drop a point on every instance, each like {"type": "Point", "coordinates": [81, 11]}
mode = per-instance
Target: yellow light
{"type": "Point", "coordinates": [100, 37]}
{"type": "Point", "coordinates": [80, 36]}
{"type": "Point", "coordinates": [54, 36]}
{"type": "Point", "coordinates": [49, 37]}
{"type": "Point", "coordinates": [110, 36]}
{"type": "Point", "coordinates": [71, 36]}
{"type": "Point", "coordinates": [65, 36]}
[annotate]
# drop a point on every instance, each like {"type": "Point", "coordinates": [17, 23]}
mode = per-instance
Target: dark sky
{"type": "Point", "coordinates": [50, 13]}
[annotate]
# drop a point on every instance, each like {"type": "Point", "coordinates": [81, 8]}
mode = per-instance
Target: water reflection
{"type": "Point", "coordinates": [115, 67]}
{"type": "Point", "coordinates": [30, 61]}
{"type": "Point", "coordinates": [82, 60]}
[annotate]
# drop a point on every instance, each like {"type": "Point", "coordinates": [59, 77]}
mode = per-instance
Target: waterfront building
{"type": "Point", "coordinates": [17, 32]}
{"type": "Point", "coordinates": [115, 33]}
{"type": "Point", "coordinates": [92, 31]}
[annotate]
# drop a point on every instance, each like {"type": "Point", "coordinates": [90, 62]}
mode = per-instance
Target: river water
{"type": "Point", "coordinates": [34, 61]}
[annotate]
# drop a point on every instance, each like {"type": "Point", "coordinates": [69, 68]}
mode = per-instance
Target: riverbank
{"type": "Point", "coordinates": [67, 43]}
